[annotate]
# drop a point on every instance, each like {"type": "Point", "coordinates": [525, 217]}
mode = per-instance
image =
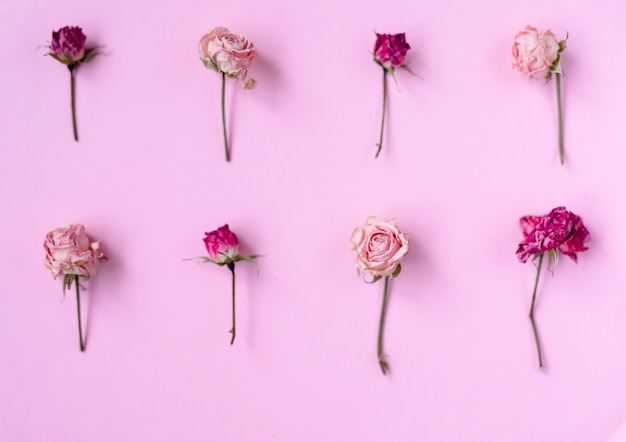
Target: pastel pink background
{"type": "Point", "coordinates": [469, 149]}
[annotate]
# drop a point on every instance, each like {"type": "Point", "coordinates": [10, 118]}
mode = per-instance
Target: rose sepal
{"type": "Point", "coordinates": [396, 272]}
{"type": "Point", "coordinates": [251, 258]}
{"type": "Point", "coordinates": [374, 279]}
{"type": "Point", "coordinates": [208, 63]}
{"type": "Point", "coordinates": [89, 54]}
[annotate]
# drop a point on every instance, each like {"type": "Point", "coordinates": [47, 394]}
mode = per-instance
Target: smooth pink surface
{"type": "Point", "coordinates": [468, 150]}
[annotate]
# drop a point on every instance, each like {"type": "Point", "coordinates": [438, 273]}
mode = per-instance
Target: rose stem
{"type": "Point", "coordinates": [381, 357]}
{"type": "Point", "coordinates": [80, 328]}
{"type": "Point", "coordinates": [224, 118]}
{"type": "Point", "coordinates": [73, 100]}
{"type": "Point", "coordinates": [231, 267]}
{"type": "Point", "coordinates": [558, 103]}
{"type": "Point", "coordinates": [382, 124]}
{"type": "Point", "coordinates": [532, 311]}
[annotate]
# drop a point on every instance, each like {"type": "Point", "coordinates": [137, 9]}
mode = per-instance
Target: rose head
{"type": "Point", "coordinates": [227, 52]}
{"type": "Point", "coordinates": [69, 251]}
{"type": "Point", "coordinates": [222, 245]}
{"type": "Point", "coordinates": [560, 230]}
{"type": "Point", "coordinates": [68, 45]}
{"type": "Point", "coordinates": [537, 53]}
{"type": "Point", "coordinates": [390, 50]}
{"type": "Point", "coordinates": [380, 247]}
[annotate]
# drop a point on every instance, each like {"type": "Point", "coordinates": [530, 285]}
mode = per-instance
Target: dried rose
{"type": "Point", "coordinates": [389, 52]}
{"type": "Point", "coordinates": [537, 54]}
{"type": "Point", "coordinates": [71, 253]}
{"type": "Point", "coordinates": [229, 54]}
{"type": "Point", "coordinates": [380, 247]}
{"type": "Point", "coordinates": [560, 231]}
{"type": "Point", "coordinates": [224, 249]}
{"type": "Point", "coordinates": [68, 47]}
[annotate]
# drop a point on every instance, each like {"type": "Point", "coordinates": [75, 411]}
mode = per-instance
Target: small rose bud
{"type": "Point", "coordinates": [68, 44]}
{"type": "Point", "coordinates": [222, 245]}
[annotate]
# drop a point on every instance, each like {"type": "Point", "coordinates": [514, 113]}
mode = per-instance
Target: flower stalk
{"type": "Point", "coordinates": [231, 267]}
{"type": "Point", "coordinates": [224, 117]}
{"type": "Point", "coordinates": [382, 124]}
{"type": "Point", "coordinates": [560, 112]}
{"type": "Point", "coordinates": [80, 328]}
{"type": "Point", "coordinates": [73, 99]}
{"type": "Point", "coordinates": [532, 312]}
{"type": "Point", "coordinates": [381, 325]}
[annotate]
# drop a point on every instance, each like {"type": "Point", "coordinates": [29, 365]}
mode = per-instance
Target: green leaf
{"type": "Point", "coordinates": [90, 53]}
{"type": "Point", "coordinates": [246, 258]}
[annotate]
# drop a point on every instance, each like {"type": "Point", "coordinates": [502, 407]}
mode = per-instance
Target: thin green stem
{"type": "Point", "coordinates": [382, 124]}
{"type": "Point", "coordinates": [73, 100]}
{"type": "Point", "coordinates": [381, 324]}
{"type": "Point", "coordinates": [80, 328]}
{"type": "Point", "coordinates": [560, 111]}
{"type": "Point", "coordinates": [532, 311]}
{"type": "Point", "coordinates": [231, 267]}
{"type": "Point", "coordinates": [224, 117]}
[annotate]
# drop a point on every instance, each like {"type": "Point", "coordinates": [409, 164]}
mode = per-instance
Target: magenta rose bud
{"type": "Point", "coordinates": [559, 231]}
{"type": "Point", "coordinates": [222, 245]}
{"type": "Point", "coordinates": [390, 50]}
{"type": "Point", "coordinates": [71, 253]}
{"type": "Point", "coordinates": [68, 44]}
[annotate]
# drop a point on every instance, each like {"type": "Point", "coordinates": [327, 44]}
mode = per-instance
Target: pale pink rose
{"type": "Point", "coordinates": [380, 247]}
{"type": "Point", "coordinates": [536, 53]}
{"type": "Point", "coordinates": [69, 251]}
{"type": "Point", "coordinates": [227, 52]}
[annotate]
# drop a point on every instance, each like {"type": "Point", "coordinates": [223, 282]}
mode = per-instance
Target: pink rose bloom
{"type": "Point", "coordinates": [536, 53]}
{"type": "Point", "coordinates": [390, 50]}
{"type": "Point", "coordinates": [222, 245]}
{"type": "Point", "coordinates": [380, 247]}
{"type": "Point", "coordinates": [560, 230]}
{"type": "Point", "coordinates": [69, 251]}
{"type": "Point", "coordinates": [227, 52]}
{"type": "Point", "coordinates": [68, 44]}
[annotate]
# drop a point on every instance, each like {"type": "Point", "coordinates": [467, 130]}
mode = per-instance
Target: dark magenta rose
{"type": "Point", "coordinates": [68, 45]}
{"type": "Point", "coordinates": [222, 245]}
{"type": "Point", "coordinates": [560, 230]}
{"type": "Point", "coordinates": [390, 50]}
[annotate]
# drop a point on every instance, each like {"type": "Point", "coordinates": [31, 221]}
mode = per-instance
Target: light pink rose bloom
{"type": "Point", "coordinates": [227, 52]}
{"type": "Point", "coordinates": [536, 53]}
{"type": "Point", "coordinates": [69, 251]}
{"type": "Point", "coordinates": [380, 247]}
